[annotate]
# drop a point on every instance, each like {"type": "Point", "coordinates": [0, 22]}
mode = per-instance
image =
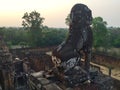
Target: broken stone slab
{"type": "Point", "coordinates": [49, 85]}
{"type": "Point", "coordinates": [38, 74]}
{"type": "Point", "coordinates": [38, 80]}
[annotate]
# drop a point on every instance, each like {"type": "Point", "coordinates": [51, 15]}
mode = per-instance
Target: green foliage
{"type": "Point", "coordinates": [20, 37]}
{"type": "Point", "coordinates": [33, 22]}
{"type": "Point", "coordinates": [114, 37]}
{"type": "Point", "coordinates": [23, 44]}
{"type": "Point", "coordinates": [99, 32]}
{"type": "Point", "coordinates": [68, 20]}
{"type": "Point", "coordinates": [52, 36]}
{"type": "Point", "coordinates": [9, 44]}
{"type": "Point", "coordinates": [37, 35]}
{"type": "Point", "coordinates": [13, 36]}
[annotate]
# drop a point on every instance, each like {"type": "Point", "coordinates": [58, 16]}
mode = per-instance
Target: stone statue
{"type": "Point", "coordinates": [68, 74]}
{"type": "Point", "coordinates": [79, 39]}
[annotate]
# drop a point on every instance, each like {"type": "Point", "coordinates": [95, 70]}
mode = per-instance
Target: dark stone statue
{"type": "Point", "coordinates": [79, 39]}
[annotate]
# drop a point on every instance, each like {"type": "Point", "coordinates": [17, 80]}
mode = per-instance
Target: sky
{"type": "Point", "coordinates": [55, 11]}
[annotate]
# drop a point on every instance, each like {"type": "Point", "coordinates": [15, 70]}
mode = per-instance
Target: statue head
{"type": "Point", "coordinates": [80, 15]}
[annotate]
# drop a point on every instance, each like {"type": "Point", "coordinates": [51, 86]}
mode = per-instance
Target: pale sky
{"type": "Point", "coordinates": [55, 11]}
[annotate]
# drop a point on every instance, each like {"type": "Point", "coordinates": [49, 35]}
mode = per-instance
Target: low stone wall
{"type": "Point", "coordinates": [106, 60]}
{"type": "Point", "coordinates": [40, 61]}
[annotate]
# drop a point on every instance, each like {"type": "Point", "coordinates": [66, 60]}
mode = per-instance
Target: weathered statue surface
{"type": "Point", "coordinates": [79, 38]}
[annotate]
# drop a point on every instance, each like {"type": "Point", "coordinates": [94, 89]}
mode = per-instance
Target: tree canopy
{"type": "Point", "coordinates": [32, 20]}
{"type": "Point", "coordinates": [99, 31]}
{"type": "Point", "coordinates": [35, 34]}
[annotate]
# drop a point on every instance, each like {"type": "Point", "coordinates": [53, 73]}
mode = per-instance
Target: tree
{"type": "Point", "coordinates": [114, 34]}
{"type": "Point", "coordinates": [53, 36]}
{"type": "Point", "coordinates": [99, 32]}
{"type": "Point", "coordinates": [68, 20]}
{"type": "Point", "coordinates": [33, 22]}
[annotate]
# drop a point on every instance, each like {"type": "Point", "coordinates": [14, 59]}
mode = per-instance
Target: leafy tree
{"type": "Point", "coordinates": [114, 34]}
{"type": "Point", "coordinates": [99, 32]}
{"type": "Point", "coordinates": [52, 36]}
{"type": "Point", "coordinates": [68, 20]}
{"type": "Point", "coordinates": [14, 36]}
{"type": "Point", "coordinates": [33, 22]}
